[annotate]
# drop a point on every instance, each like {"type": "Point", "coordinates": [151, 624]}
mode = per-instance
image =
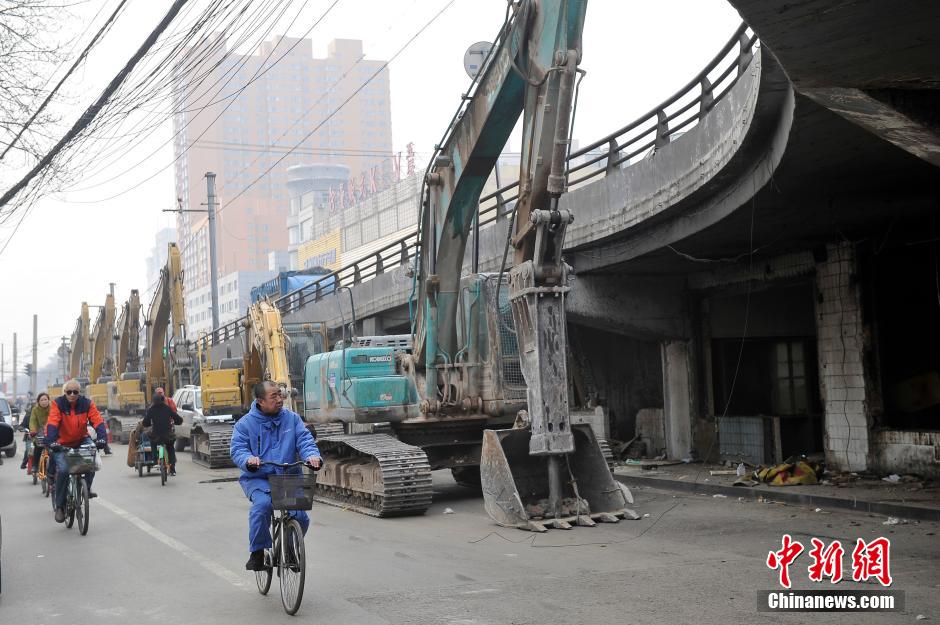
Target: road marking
{"type": "Point", "coordinates": [211, 566]}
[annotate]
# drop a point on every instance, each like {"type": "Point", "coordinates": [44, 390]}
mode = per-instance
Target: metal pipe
{"type": "Point", "coordinates": [556, 179]}
{"type": "Point", "coordinates": [554, 486]}
{"type": "Point", "coordinates": [213, 263]}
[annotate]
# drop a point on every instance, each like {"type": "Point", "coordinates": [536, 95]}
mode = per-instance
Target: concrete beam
{"type": "Point", "coordinates": [690, 184]}
{"type": "Point", "coordinates": [642, 308]}
{"type": "Point", "coordinates": [881, 119]}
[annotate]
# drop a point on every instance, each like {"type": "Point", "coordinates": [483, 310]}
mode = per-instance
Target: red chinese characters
{"type": "Point", "coordinates": [784, 558]}
{"type": "Point", "coordinates": [872, 560]}
{"type": "Point", "coordinates": [826, 562]}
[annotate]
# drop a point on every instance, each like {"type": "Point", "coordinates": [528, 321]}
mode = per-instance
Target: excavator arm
{"type": "Point", "coordinates": [167, 316]}
{"type": "Point", "coordinates": [128, 335]}
{"type": "Point", "coordinates": [79, 343]}
{"type": "Point", "coordinates": [266, 351]}
{"type": "Point", "coordinates": [543, 471]}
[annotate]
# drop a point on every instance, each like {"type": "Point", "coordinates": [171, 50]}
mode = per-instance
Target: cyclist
{"type": "Point", "coordinates": [69, 417]}
{"type": "Point", "coordinates": [160, 418]}
{"type": "Point", "coordinates": [169, 400]}
{"type": "Point", "coordinates": [271, 433]}
{"type": "Point", "coordinates": [37, 424]}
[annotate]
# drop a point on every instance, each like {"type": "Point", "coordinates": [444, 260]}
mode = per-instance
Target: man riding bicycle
{"type": "Point", "coordinates": [160, 418]}
{"type": "Point", "coordinates": [69, 416]}
{"type": "Point", "coordinates": [269, 433]}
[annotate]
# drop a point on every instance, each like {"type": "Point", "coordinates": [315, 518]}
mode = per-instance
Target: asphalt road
{"type": "Point", "coordinates": [176, 554]}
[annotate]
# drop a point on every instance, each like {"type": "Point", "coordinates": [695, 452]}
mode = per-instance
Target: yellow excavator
{"type": "Point", "coordinates": [101, 367]}
{"type": "Point", "coordinates": [168, 358]}
{"type": "Point", "coordinates": [79, 345]}
{"type": "Point", "coordinates": [127, 394]}
{"type": "Point", "coordinates": [227, 388]}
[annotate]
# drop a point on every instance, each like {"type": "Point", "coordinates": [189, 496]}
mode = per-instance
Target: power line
{"type": "Point", "coordinates": [344, 103]}
{"type": "Point", "coordinates": [91, 44]}
{"type": "Point", "coordinates": [96, 107]}
{"type": "Point", "coordinates": [263, 69]}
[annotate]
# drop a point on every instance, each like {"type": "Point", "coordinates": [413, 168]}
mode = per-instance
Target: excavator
{"type": "Point", "coordinates": [101, 366]}
{"type": "Point", "coordinates": [481, 385]}
{"type": "Point", "coordinates": [77, 349]}
{"type": "Point", "coordinates": [227, 389]}
{"type": "Point", "coordinates": [168, 358]}
{"type": "Point", "coordinates": [127, 394]}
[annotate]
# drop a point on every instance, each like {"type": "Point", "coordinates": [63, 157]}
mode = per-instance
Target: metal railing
{"type": "Point", "coordinates": [676, 115]}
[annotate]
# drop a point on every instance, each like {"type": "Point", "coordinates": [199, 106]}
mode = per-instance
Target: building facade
{"type": "Point", "coordinates": [288, 108]}
{"type": "Point", "coordinates": [234, 299]}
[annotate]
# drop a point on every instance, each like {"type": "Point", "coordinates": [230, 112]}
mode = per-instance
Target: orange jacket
{"type": "Point", "coordinates": [68, 424]}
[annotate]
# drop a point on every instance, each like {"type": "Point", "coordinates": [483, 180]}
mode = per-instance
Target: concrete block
{"type": "Point", "coordinates": [855, 393]}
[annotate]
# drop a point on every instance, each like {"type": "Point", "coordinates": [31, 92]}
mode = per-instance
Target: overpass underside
{"type": "Point", "coordinates": [765, 285]}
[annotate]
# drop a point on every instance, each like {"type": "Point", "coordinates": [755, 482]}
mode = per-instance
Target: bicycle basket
{"type": "Point", "coordinates": [81, 460]}
{"type": "Point", "coordinates": [292, 492]}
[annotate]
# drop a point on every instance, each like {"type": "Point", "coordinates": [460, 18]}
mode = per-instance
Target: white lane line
{"type": "Point", "coordinates": [169, 541]}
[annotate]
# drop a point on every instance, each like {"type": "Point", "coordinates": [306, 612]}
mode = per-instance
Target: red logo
{"type": "Point", "coordinates": [869, 560]}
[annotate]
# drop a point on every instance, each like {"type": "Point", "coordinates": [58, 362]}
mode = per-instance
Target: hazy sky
{"type": "Point", "coordinates": [73, 244]}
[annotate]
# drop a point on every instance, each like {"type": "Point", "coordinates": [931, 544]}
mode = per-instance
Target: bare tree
{"type": "Point", "coordinates": [30, 53]}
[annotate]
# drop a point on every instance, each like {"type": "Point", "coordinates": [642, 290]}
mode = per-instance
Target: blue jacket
{"type": "Point", "coordinates": [282, 438]}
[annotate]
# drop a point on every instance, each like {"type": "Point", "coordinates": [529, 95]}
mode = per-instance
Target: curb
{"type": "Point", "coordinates": [905, 511]}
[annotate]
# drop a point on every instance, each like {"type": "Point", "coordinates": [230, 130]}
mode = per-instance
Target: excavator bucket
{"type": "Point", "coordinates": [516, 485]}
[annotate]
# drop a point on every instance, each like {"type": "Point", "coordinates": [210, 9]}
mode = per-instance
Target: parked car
{"type": "Point", "coordinates": [188, 401]}
{"type": "Point", "coordinates": [6, 415]}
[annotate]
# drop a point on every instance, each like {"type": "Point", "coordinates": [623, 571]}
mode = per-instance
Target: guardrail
{"type": "Point", "coordinates": [676, 115]}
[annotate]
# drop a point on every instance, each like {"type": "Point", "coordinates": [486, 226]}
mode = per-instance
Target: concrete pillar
{"type": "Point", "coordinates": [677, 398]}
{"type": "Point", "coordinates": [372, 326]}
{"type": "Point", "coordinates": [841, 370]}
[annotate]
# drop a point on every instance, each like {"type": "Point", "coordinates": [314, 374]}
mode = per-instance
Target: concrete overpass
{"type": "Point", "coordinates": [738, 251]}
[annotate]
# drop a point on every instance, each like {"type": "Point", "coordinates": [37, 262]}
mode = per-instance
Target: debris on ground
{"type": "Point", "coordinates": [719, 496]}
{"type": "Point", "coordinates": [448, 511]}
{"type": "Point", "coordinates": [790, 473]}
{"type": "Point", "coordinates": [894, 478]}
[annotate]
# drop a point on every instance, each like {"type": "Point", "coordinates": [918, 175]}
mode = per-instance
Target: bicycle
{"type": "Point", "coordinates": [79, 461]}
{"type": "Point", "coordinates": [288, 492]}
{"type": "Point", "coordinates": [163, 463]}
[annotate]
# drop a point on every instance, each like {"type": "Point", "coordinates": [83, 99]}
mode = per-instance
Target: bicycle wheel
{"type": "Point", "coordinates": [263, 578]}
{"type": "Point", "coordinates": [81, 506]}
{"type": "Point", "coordinates": [70, 502]}
{"type": "Point", "coordinates": [292, 566]}
{"type": "Point", "coordinates": [162, 467]}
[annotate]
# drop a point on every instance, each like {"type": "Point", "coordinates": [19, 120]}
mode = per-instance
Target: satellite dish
{"type": "Point", "coordinates": [474, 56]}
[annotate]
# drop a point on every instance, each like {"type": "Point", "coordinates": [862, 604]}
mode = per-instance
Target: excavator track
{"type": "Point", "coordinates": [211, 444]}
{"type": "Point", "coordinates": [121, 427]}
{"type": "Point", "coordinates": [375, 474]}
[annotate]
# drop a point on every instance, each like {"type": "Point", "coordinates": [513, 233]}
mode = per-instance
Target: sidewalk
{"type": "Point", "coordinates": [917, 500]}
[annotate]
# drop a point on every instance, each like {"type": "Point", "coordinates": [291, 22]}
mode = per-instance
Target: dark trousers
{"type": "Point", "coordinates": [62, 476]}
{"type": "Point", "coordinates": [170, 450]}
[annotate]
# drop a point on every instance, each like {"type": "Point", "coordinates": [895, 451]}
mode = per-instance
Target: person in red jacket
{"type": "Point", "coordinates": [169, 400]}
{"type": "Point", "coordinates": [69, 417]}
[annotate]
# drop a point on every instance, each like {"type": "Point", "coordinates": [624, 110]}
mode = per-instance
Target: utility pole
{"type": "Point", "coordinates": [3, 370]}
{"type": "Point", "coordinates": [64, 354]}
{"type": "Point", "coordinates": [32, 378]}
{"type": "Point", "coordinates": [213, 263]}
{"type": "Point", "coordinates": [15, 372]}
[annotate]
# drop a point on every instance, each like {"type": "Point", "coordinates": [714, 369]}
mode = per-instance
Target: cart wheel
{"type": "Point", "coordinates": [140, 469]}
{"type": "Point", "coordinates": [149, 466]}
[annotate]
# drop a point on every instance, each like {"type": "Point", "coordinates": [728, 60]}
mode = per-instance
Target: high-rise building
{"type": "Point", "coordinates": [157, 261]}
{"type": "Point", "coordinates": [270, 101]}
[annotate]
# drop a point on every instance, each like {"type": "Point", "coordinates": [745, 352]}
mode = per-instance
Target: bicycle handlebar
{"type": "Point", "coordinates": [286, 465]}
{"type": "Point", "coordinates": [99, 444]}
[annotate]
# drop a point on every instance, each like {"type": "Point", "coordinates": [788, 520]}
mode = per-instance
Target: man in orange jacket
{"type": "Point", "coordinates": [67, 426]}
